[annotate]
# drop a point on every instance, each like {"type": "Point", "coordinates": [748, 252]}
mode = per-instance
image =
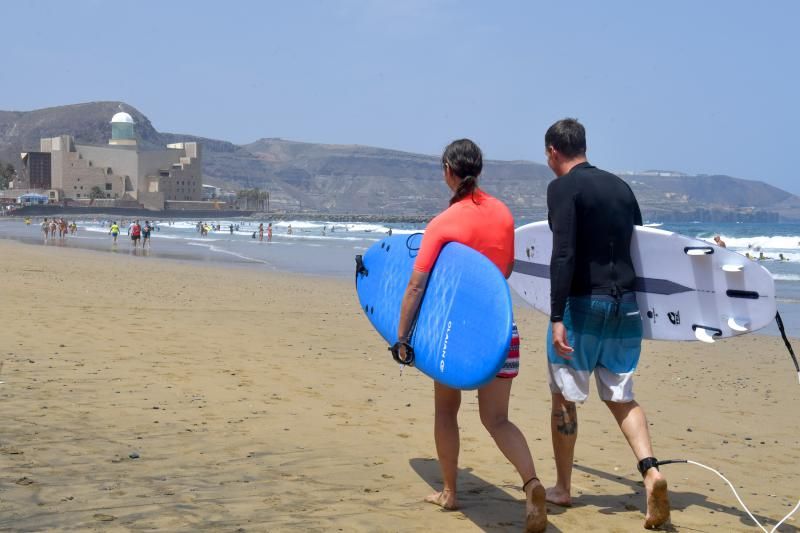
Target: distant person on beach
{"type": "Point", "coordinates": [719, 241]}
{"type": "Point", "coordinates": [389, 232]}
{"type": "Point", "coordinates": [595, 321]}
{"type": "Point", "coordinates": [135, 233]}
{"type": "Point", "coordinates": [45, 228]}
{"type": "Point", "coordinates": [73, 229]}
{"type": "Point", "coordinates": [484, 223]}
{"type": "Point", "coordinates": [289, 229]}
{"type": "Point", "coordinates": [53, 228]}
{"type": "Point", "coordinates": [146, 229]}
{"type": "Point", "coordinates": [114, 231]}
{"type": "Point", "coordinates": [781, 257]}
{"type": "Point", "coordinates": [269, 232]}
{"type": "Point", "coordinates": [231, 228]}
{"type": "Point", "coordinates": [261, 232]}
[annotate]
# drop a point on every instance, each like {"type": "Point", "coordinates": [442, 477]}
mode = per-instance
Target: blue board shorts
{"type": "Point", "coordinates": [606, 336]}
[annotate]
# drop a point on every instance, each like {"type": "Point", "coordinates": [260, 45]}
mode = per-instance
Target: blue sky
{"type": "Point", "coordinates": [702, 87]}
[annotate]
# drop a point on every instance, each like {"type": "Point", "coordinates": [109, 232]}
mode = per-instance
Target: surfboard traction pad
{"type": "Point", "coordinates": [463, 327]}
{"type": "Point", "coordinates": [687, 289]}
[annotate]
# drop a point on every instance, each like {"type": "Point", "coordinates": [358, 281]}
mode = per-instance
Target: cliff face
{"type": "Point", "coordinates": [368, 180]}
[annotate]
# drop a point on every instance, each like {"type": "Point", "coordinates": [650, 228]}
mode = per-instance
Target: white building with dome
{"type": "Point", "coordinates": [122, 133]}
{"type": "Point", "coordinates": [119, 173]}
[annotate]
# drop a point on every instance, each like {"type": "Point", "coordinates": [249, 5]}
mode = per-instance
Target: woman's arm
{"type": "Point", "coordinates": [408, 308]}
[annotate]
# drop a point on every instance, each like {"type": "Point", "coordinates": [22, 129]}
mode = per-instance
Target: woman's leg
{"type": "Point", "coordinates": [445, 432]}
{"type": "Point", "coordinates": [493, 405]}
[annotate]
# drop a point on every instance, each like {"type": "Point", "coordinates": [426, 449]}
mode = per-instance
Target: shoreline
{"type": "Point", "coordinates": [181, 397]}
{"type": "Point", "coordinates": [127, 212]}
{"type": "Point", "coordinates": [304, 253]}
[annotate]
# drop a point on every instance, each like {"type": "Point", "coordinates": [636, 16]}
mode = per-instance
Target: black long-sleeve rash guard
{"type": "Point", "coordinates": [592, 213]}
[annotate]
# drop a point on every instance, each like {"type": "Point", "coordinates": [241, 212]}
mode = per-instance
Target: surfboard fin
{"type": "Point", "coordinates": [732, 268]}
{"type": "Point", "coordinates": [702, 335]}
{"type": "Point", "coordinates": [735, 326]}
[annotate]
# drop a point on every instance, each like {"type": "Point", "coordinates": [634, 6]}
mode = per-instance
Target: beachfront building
{"type": "Point", "coordinates": [120, 173]}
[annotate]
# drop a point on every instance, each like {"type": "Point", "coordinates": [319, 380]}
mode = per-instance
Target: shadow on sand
{"type": "Point", "coordinates": [679, 501]}
{"type": "Point", "coordinates": [489, 507]}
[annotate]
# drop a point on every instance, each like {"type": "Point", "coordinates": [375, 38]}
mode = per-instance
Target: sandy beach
{"type": "Point", "coordinates": [142, 393]}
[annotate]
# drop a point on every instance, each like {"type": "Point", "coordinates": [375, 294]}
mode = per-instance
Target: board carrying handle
{"type": "Point", "coordinates": [698, 250]}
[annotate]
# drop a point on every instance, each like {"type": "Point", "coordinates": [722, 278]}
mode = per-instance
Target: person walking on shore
{"type": "Point", "coordinates": [146, 229]}
{"type": "Point", "coordinates": [45, 229]}
{"type": "Point", "coordinates": [269, 232]}
{"type": "Point", "coordinates": [485, 224]}
{"type": "Point", "coordinates": [595, 322]}
{"type": "Point", "coordinates": [261, 232]}
{"type": "Point", "coordinates": [114, 231]}
{"type": "Point", "coordinates": [135, 233]}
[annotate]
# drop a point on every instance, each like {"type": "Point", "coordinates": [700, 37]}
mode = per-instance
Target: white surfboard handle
{"type": "Point", "coordinates": [736, 326]}
{"type": "Point", "coordinates": [698, 250]}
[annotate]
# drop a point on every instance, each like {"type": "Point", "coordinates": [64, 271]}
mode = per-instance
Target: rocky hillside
{"type": "Point", "coordinates": [367, 180]}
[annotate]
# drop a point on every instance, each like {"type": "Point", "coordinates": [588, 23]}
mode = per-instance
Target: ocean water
{"type": "Point", "coordinates": [325, 248]}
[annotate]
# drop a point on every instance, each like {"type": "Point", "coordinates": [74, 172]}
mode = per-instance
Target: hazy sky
{"type": "Point", "coordinates": [702, 87]}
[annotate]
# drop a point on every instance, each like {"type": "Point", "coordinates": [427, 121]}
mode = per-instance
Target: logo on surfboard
{"type": "Point", "coordinates": [674, 317]}
{"type": "Point", "coordinates": [444, 348]}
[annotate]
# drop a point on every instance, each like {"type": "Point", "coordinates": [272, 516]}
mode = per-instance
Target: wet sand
{"type": "Point", "coordinates": [154, 394]}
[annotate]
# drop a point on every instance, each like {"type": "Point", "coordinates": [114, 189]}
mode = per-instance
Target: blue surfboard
{"type": "Point", "coordinates": [463, 328]}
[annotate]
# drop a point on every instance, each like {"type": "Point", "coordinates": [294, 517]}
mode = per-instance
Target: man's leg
{"type": "Point", "coordinates": [493, 405]}
{"type": "Point", "coordinates": [633, 423]}
{"type": "Point", "coordinates": [564, 431]}
{"type": "Point", "coordinates": [445, 433]}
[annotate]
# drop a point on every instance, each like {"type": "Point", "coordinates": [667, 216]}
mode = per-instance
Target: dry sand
{"type": "Point", "coordinates": [264, 402]}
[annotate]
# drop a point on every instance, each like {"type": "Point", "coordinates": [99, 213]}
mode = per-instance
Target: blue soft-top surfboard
{"type": "Point", "coordinates": [463, 328]}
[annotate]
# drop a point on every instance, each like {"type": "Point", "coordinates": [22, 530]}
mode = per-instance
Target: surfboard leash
{"type": "Point", "coordinates": [753, 518]}
{"type": "Point", "coordinates": [787, 343]}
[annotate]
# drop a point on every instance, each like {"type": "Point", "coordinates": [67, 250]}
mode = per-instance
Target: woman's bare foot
{"type": "Point", "coordinates": [445, 499]}
{"type": "Point", "coordinates": [535, 508]}
{"type": "Point", "coordinates": [657, 500]}
{"type": "Point", "coordinates": [558, 496]}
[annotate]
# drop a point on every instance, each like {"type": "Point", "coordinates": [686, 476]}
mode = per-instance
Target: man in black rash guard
{"type": "Point", "coordinates": [595, 322]}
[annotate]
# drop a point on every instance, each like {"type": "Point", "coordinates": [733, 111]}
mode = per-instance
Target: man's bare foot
{"type": "Point", "coordinates": [445, 499]}
{"type": "Point", "coordinates": [535, 508]}
{"type": "Point", "coordinates": [657, 500]}
{"type": "Point", "coordinates": [558, 496]}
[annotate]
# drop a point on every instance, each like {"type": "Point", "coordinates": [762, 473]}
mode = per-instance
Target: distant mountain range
{"type": "Point", "coordinates": [353, 179]}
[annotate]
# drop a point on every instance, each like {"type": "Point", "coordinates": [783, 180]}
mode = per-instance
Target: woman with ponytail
{"type": "Point", "coordinates": [485, 224]}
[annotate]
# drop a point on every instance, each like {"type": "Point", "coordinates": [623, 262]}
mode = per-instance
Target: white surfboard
{"type": "Point", "coordinates": [687, 289]}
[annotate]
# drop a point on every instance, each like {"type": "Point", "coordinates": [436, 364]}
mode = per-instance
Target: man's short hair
{"type": "Point", "coordinates": [568, 136]}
